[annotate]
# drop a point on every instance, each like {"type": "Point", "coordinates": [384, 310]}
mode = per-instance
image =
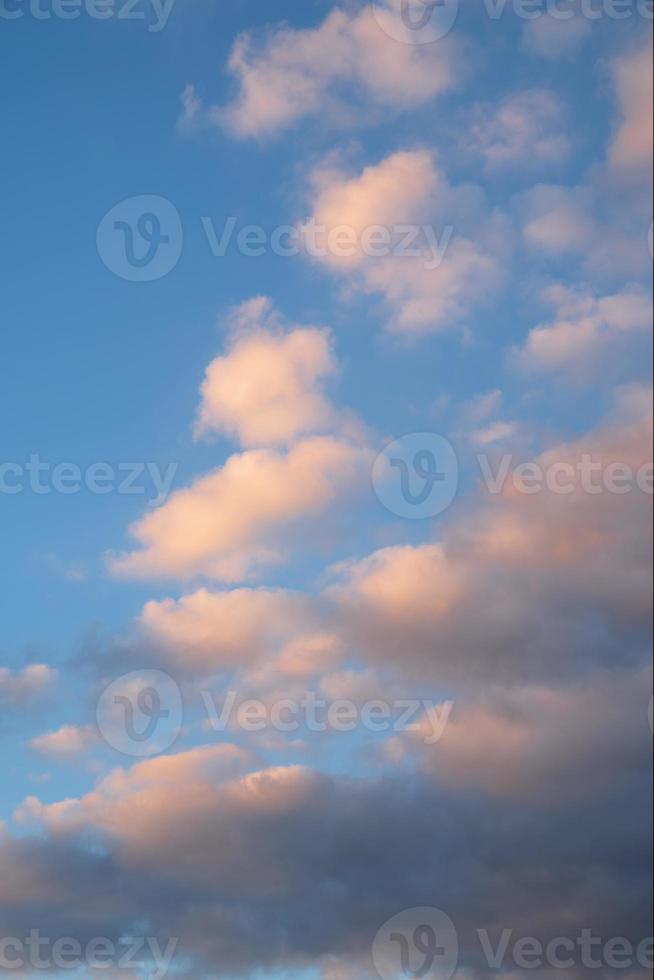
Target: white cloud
{"type": "Point", "coordinates": [585, 330]}
{"type": "Point", "coordinates": [590, 222]}
{"type": "Point", "coordinates": [558, 219]}
{"type": "Point", "coordinates": [292, 74]}
{"type": "Point", "coordinates": [522, 586]}
{"type": "Point", "coordinates": [19, 687]}
{"type": "Point", "coordinates": [67, 742]}
{"type": "Point", "coordinates": [440, 258]}
{"type": "Point", "coordinates": [633, 77]}
{"type": "Point", "coordinates": [267, 389]}
{"type": "Point", "coordinates": [495, 432]}
{"type": "Point", "coordinates": [230, 524]}
{"type": "Point", "coordinates": [207, 632]}
{"type": "Point", "coordinates": [526, 130]}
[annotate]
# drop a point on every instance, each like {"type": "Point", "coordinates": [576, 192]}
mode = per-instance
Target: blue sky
{"type": "Point", "coordinates": [530, 142]}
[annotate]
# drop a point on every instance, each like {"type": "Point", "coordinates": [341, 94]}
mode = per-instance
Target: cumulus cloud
{"type": "Point", "coordinates": [19, 687]}
{"type": "Point", "coordinates": [67, 742]}
{"type": "Point", "coordinates": [207, 632]}
{"type": "Point", "coordinates": [399, 230]}
{"type": "Point", "coordinates": [290, 74]}
{"type": "Point", "coordinates": [541, 743]}
{"type": "Point", "coordinates": [590, 223]}
{"type": "Point", "coordinates": [585, 330]}
{"type": "Point", "coordinates": [208, 847]}
{"type": "Point", "coordinates": [553, 587]}
{"type": "Point", "coordinates": [631, 148]}
{"type": "Point", "coordinates": [525, 130]}
{"type": "Point", "coordinates": [239, 519]}
{"type": "Point", "coordinates": [267, 389]}
{"type": "Point", "coordinates": [558, 219]}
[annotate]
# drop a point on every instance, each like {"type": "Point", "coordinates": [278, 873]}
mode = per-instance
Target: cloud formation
{"type": "Point", "coordinates": [407, 239]}
{"type": "Point", "coordinates": [225, 855]}
{"type": "Point", "coordinates": [631, 148]}
{"type": "Point", "coordinates": [242, 517]}
{"type": "Point", "coordinates": [267, 389]}
{"type": "Point", "coordinates": [292, 74]}
{"type": "Point", "coordinates": [525, 130]}
{"type": "Point", "coordinates": [585, 330]}
{"type": "Point", "coordinates": [19, 687]}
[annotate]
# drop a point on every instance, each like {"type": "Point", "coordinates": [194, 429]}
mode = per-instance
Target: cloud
{"type": "Point", "coordinates": [526, 130]}
{"type": "Point", "coordinates": [240, 518]}
{"type": "Point", "coordinates": [558, 219]}
{"type": "Point", "coordinates": [585, 330]}
{"type": "Point", "coordinates": [426, 268]}
{"type": "Point", "coordinates": [291, 74]}
{"type": "Point", "coordinates": [67, 742]}
{"type": "Point", "coordinates": [631, 148]}
{"type": "Point", "coordinates": [20, 687]}
{"type": "Point", "coordinates": [497, 431]}
{"type": "Point", "coordinates": [540, 744]}
{"type": "Point", "coordinates": [207, 847]}
{"type": "Point", "coordinates": [554, 587]}
{"type": "Point", "coordinates": [592, 223]}
{"type": "Point", "coordinates": [267, 389]}
{"type": "Point", "coordinates": [483, 406]}
{"type": "Point", "coordinates": [207, 632]}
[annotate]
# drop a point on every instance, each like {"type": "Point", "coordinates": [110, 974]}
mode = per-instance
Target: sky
{"type": "Point", "coordinates": [325, 488]}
